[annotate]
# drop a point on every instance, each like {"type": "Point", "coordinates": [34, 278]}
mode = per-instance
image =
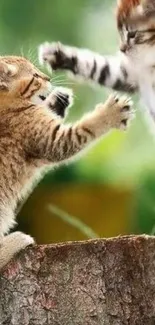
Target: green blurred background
{"type": "Point", "coordinates": [110, 190]}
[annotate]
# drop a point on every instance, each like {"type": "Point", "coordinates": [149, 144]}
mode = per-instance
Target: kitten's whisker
{"type": "Point", "coordinates": [61, 99]}
{"type": "Point", "coordinates": [58, 80]}
{"type": "Point", "coordinates": [63, 83]}
{"type": "Point", "coordinates": [22, 52]}
{"type": "Point", "coordinates": [57, 77]}
{"type": "Point", "coordinates": [32, 55]}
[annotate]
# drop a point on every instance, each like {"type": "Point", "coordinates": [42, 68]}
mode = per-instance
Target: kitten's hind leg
{"type": "Point", "coordinates": [12, 244]}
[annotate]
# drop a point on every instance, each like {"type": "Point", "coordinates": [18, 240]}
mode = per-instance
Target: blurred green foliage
{"type": "Point", "coordinates": [120, 162]}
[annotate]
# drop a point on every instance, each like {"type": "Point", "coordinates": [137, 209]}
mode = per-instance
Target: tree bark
{"type": "Point", "coordinates": [101, 282]}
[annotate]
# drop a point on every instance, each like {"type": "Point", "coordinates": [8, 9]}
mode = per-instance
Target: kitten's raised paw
{"type": "Point", "coordinates": [60, 99]}
{"type": "Point", "coordinates": [119, 111]}
{"type": "Point", "coordinates": [55, 54]}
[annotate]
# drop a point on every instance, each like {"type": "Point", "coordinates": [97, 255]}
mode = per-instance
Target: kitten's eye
{"type": "Point", "coordinates": [36, 75]}
{"type": "Point", "coordinates": [132, 34]}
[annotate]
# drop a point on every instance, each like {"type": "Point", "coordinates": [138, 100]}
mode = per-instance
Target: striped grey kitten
{"type": "Point", "coordinates": [132, 69]}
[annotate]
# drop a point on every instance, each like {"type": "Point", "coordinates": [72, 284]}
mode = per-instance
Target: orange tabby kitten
{"type": "Point", "coordinates": [33, 136]}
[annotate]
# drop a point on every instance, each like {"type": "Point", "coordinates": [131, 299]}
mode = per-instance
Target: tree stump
{"type": "Point", "coordinates": [97, 282]}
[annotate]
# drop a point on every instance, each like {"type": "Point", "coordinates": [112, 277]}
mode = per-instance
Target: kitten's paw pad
{"type": "Point", "coordinates": [53, 54]}
{"type": "Point", "coordinates": [60, 99]}
{"type": "Point", "coordinates": [120, 111]}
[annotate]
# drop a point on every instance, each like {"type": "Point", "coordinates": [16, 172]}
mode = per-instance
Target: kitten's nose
{"type": "Point", "coordinates": [123, 48]}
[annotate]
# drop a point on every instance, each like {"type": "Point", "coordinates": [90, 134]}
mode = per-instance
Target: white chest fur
{"type": "Point", "coordinates": [141, 64]}
{"type": "Point", "coordinates": [147, 89]}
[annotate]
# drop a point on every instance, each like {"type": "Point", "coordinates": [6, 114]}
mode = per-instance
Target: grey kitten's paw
{"type": "Point", "coordinates": [59, 100]}
{"type": "Point", "coordinates": [57, 56]}
{"type": "Point", "coordinates": [118, 110]}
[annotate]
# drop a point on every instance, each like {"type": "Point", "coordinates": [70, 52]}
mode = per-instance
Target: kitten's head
{"type": "Point", "coordinates": [136, 25]}
{"type": "Point", "coordinates": [21, 80]}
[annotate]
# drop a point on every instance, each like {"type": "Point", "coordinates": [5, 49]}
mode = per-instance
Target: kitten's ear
{"type": "Point", "coordinates": [142, 12]}
{"type": "Point", "coordinates": [6, 71]}
{"type": "Point", "coordinates": [148, 6]}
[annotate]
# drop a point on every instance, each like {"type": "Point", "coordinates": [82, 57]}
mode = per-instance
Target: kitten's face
{"type": "Point", "coordinates": [137, 31]}
{"type": "Point", "coordinates": [138, 41]}
{"type": "Point", "coordinates": [20, 79]}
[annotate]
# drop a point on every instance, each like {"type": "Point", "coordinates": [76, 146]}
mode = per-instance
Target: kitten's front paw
{"type": "Point", "coordinates": [119, 111]}
{"type": "Point", "coordinates": [60, 99]}
{"type": "Point", "coordinates": [56, 55]}
{"type": "Point", "coordinates": [23, 240]}
{"type": "Point", "coordinates": [17, 241]}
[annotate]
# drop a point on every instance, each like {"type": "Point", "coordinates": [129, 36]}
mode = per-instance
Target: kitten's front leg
{"type": "Point", "coordinates": [110, 71]}
{"type": "Point", "coordinates": [68, 141]}
{"type": "Point", "coordinates": [115, 113]}
{"type": "Point", "coordinates": [59, 101]}
{"type": "Point", "coordinates": [52, 141]}
{"type": "Point", "coordinates": [59, 56]}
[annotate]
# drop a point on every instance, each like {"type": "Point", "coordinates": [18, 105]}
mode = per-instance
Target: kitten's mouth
{"type": "Point", "coordinates": [40, 96]}
{"type": "Point", "coordinates": [44, 92]}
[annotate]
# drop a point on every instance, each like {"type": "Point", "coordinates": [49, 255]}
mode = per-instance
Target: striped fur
{"type": "Point", "coordinates": [33, 136]}
{"type": "Point", "coordinates": [132, 69]}
{"type": "Point", "coordinates": [111, 71]}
